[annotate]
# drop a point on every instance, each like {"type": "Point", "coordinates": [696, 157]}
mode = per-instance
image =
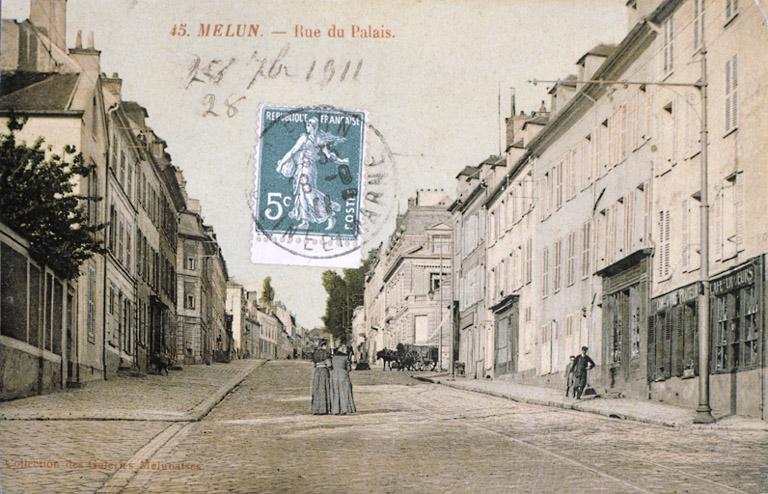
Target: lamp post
{"type": "Point", "coordinates": [703, 410]}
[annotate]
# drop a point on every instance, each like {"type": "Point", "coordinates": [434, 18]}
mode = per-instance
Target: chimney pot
{"type": "Point", "coordinates": [90, 40]}
{"type": "Point", "coordinates": [79, 39]}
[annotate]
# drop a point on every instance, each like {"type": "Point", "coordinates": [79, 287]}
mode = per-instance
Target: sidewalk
{"type": "Point", "coordinates": [185, 395]}
{"type": "Point", "coordinates": [648, 412]}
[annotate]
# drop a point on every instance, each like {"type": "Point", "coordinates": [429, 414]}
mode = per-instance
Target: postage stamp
{"type": "Point", "coordinates": [309, 194]}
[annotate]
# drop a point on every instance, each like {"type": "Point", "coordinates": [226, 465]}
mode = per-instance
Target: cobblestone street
{"type": "Point", "coordinates": [407, 436]}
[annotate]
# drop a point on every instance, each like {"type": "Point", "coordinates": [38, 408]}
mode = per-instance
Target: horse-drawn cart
{"type": "Point", "coordinates": [410, 357]}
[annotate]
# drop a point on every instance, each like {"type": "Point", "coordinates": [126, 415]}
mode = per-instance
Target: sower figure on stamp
{"type": "Point", "coordinates": [581, 366]}
{"type": "Point", "coordinates": [310, 205]}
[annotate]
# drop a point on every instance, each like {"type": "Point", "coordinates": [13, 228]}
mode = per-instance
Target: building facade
{"type": "Point", "coordinates": [410, 278]}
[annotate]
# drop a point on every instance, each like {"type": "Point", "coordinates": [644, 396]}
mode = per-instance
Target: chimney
{"type": "Point", "coordinates": [50, 17]}
{"type": "Point", "coordinates": [88, 58]}
{"type": "Point", "coordinates": [113, 84]}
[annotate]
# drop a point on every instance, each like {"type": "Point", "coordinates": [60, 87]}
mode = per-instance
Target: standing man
{"type": "Point", "coordinates": [569, 377]}
{"type": "Point", "coordinates": [581, 365]}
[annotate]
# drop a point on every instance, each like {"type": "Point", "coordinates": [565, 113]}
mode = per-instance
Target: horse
{"type": "Point", "coordinates": [388, 356]}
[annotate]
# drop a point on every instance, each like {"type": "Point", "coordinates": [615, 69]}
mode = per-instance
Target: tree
{"type": "Point", "coordinates": [37, 200]}
{"type": "Point", "coordinates": [267, 292]}
{"type": "Point", "coordinates": [345, 293]}
{"type": "Point", "coordinates": [335, 304]}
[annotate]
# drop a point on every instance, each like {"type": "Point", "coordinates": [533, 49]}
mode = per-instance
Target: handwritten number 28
{"type": "Point", "coordinates": [209, 102]}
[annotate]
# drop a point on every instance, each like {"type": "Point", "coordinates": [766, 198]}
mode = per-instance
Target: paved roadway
{"type": "Point", "coordinates": [407, 437]}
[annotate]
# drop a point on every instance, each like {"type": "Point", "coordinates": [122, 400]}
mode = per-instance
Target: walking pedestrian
{"type": "Point", "coordinates": [342, 401]}
{"type": "Point", "coordinates": [569, 377]}
{"type": "Point", "coordinates": [581, 366]}
{"type": "Point", "coordinates": [321, 379]}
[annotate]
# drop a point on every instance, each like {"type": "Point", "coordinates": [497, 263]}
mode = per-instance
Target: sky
{"type": "Point", "coordinates": [435, 88]}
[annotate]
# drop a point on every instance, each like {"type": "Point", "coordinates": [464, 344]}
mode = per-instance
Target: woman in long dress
{"type": "Point", "coordinates": [342, 401]}
{"type": "Point", "coordinates": [321, 380]}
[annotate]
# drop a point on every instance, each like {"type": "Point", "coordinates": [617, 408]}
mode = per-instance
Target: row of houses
{"type": "Point", "coordinates": [263, 330]}
{"type": "Point", "coordinates": [159, 289]}
{"type": "Point", "coordinates": [624, 216]}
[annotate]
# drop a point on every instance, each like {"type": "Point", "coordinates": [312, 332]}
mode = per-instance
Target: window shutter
{"type": "Point", "coordinates": [684, 222]}
{"type": "Point", "coordinates": [651, 370]}
{"type": "Point", "coordinates": [678, 343]}
{"type": "Point", "coordinates": [734, 94]}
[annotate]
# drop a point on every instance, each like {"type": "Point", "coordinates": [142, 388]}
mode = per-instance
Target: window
{"type": "Point", "coordinates": [737, 332]}
{"type": "Point", "coordinates": [586, 162]}
{"type": "Point", "coordinates": [559, 186]}
{"type": "Point", "coordinates": [558, 263]}
{"type": "Point", "coordinates": [664, 245]}
{"type": "Point", "coordinates": [730, 217]}
{"type": "Point", "coordinates": [698, 24]}
{"type": "Point", "coordinates": [91, 293]}
{"type": "Point", "coordinates": [434, 281]}
{"type": "Point", "coordinates": [668, 40]}
{"type": "Point", "coordinates": [112, 228]}
{"type": "Point", "coordinates": [545, 272]}
{"type": "Point", "coordinates": [731, 95]}
{"type": "Point", "coordinates": [586, 247]}
{"type": "Point", "coordinates": [629, 222]}
{"type": "Point", "coordinates": [690, 234]}
{"type": "Point", "coordinates": [93, 191]}
{"type": "Point", "coordinates": [571, 265]}
{"type": "Point", "coordinates": [731, 9]}
{"type": "Point", "coordinates": [574, 170]}
{"type": "Point", "coordinates": [190, 263]}
{"type": "Point", "coordinates": [528, 260]}
{"type": "Point", "coordinates": [121, 176]}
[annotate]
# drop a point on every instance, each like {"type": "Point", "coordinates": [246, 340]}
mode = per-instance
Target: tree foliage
{"type": "Point", "coordinates": [38, 201]}
{"type": "Point", "coordinates": [345, 293]}
{"type": "Point", "coordinates": [267, 292]}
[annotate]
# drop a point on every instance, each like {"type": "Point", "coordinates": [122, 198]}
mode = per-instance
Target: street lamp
{"type": "Point", "coordinates": [703, 410]}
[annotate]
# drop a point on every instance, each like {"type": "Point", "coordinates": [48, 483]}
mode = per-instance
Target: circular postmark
{"type": "Point", "coordinates": [325, 183]}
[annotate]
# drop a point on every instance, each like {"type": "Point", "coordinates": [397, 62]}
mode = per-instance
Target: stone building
{"type": "Point", "coordinates": [509, 267]}
{"type": "Point", "coordinates": [59, 91]}
{"type": "Point", "coordinates": [409, 278]}
{"type": "Point", "coordinates": [252, 334]}
{"type": "Point", "coordinates": [236, 308]}
{"type": "Point", "coordinates": [615, 229]}
{"type": "Point", "coordinates": [269, 333]}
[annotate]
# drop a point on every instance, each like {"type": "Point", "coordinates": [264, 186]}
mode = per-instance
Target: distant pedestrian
{"type": "Point", "coordinates": [581, 366]}
{"type": "Point", "coordinates": [569, 377]}
{"type": "Point", "coordinates": [342, 401]}
{"type": "Point", "coordinates": [321, 380]}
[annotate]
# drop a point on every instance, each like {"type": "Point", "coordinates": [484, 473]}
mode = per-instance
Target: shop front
{"type": "Point", "coordinates": [505, 315]}
{"type": "Point", "coordinates": [673, 349]}
{"type": "Point", "coordinates": [738, 341]}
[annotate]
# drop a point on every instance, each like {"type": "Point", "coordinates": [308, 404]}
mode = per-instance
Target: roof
{"type": "Point", "coordinates": [133, 107]}
{"type": "Point", "coordinates": [569, 81]}
{"type": "Point", "coordinates": [601, 50]}
{"type": "Point", "coordinates": [37, 91]}
{"type": "Point", "coordinates": [537, 120]}
{"type": "Point", "coordinates": [469, 171]}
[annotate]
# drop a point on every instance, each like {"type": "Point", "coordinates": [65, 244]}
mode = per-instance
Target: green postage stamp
{"type": "Point", "coordinates": [309, 181]}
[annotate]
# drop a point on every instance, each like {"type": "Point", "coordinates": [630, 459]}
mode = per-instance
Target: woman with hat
{"type": "Point", "coordinates": [342, 401]}
{"type": "Point", "coordinates": [321, 379]}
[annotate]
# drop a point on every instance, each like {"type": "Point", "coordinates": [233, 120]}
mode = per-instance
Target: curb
{"type": "Point", "coordinates": [194, 415]}
{"type": "Point", "coordinates": [578, 407]}
{"type": "Point", "coordinates": [203, 408]}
